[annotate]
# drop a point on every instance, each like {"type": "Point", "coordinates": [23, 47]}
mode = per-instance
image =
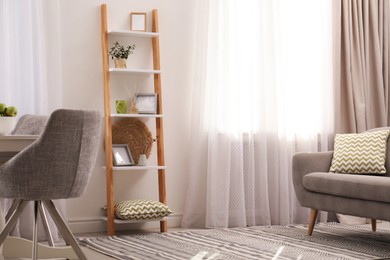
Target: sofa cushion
{"type": "Point", "coordinates": [363, 153]}
{"type": "Point", "coordinates": [366, 187]}
{"type": "Point", "coordinates": [387, 165]}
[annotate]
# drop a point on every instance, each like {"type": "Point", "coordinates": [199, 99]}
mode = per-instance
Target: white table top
{"type": "Point", "coordinates": [18, 137]}
{"type": "Point", "coordinates": [15, 143]}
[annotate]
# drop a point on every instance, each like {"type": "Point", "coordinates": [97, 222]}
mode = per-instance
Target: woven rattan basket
{"type": "Point", "coordinates": [135, 134]}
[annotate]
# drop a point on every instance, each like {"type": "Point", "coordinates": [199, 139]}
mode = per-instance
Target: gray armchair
{"type": "Point", "coordinates": [56, 166]}
{"type": "Point", "coordinates": [29, 124]}
{"type": "Point", "coordinates": [351, 194]}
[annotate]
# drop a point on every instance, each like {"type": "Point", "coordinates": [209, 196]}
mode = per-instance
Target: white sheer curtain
{"type": "Point", "coordinates": [30, 60]}
{"type": "Point", "coordinates": [30, 72]}
{"type": "Point", "coordinates": [262, 92]}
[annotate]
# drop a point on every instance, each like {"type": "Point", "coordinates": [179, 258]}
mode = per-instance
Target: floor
{"type": "Point", "coordinates": [90, 254]}
{"type": "Point", "coordinates": [93, 255]}
{"type": "Point", "coordinates": [96, 256]}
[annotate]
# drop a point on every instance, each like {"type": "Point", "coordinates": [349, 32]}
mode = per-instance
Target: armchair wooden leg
{"type": "Point", "coordinates": [312, 221]}
{"type": "Point", "coordinates": [373, 224]}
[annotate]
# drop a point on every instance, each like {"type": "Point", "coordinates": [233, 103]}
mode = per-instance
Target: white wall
{"type": "Point", "coordinates": [83, 89]}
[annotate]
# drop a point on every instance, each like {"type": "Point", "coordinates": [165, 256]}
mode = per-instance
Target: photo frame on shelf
{"type": "Point", "coordinates": [138, 21]}
{"type": "Point", "coordinates": [146, 103]}
{"type": "Point", "coordinates": [121, 155]}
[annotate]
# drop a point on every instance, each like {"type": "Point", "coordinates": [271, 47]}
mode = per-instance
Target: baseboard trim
{"type": "Point", "coordinates": [86, 224]}
{"type": "Point", "coordinates": [96, 224]}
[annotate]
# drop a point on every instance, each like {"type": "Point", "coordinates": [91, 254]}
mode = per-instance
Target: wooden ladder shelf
{"type": "Point", "coordinates": [107, 114]}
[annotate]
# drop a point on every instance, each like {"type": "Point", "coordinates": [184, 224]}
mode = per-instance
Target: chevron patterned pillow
{"type": "Point", "coordinates": [141, 209]}
{"type": "Point", "coordinates": [363, 153]}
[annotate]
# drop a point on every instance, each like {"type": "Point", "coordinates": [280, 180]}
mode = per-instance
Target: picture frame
{"type": "Point", "coordinates": [146, 103]}
{"type": "Point", "coordinates": [138, 21]}
{"type": "Point", "coordinates": [121, 155]}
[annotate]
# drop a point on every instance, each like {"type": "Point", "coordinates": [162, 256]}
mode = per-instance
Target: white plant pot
{"type": "Point", "coordinates": [7, 124]}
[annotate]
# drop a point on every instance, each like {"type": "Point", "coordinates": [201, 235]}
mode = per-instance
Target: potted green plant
{"type": "Point", "coordinates": [119, 53]}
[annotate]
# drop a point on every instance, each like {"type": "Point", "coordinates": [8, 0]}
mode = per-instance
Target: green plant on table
{"type": "Point", "coordinates": [7, 111]}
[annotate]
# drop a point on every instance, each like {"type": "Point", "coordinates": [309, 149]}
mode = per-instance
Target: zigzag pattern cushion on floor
{"type": "Point", "coordinates": [329, 241]}
{"type": "Point", "coordinates": [140, 209]}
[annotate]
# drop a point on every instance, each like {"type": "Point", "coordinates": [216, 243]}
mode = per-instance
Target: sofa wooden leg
{"type": "Point", "coordinates": [373, 224]}
{"type": "Point", "coordinates": [312, 221]}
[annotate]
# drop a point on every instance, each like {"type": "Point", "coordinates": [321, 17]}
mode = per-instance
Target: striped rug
{"type": "Point", "coordinates": [329, 241]}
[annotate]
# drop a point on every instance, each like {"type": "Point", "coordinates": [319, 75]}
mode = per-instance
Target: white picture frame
{"type": "Point", "coordinates": [121, 155]}
{"type": "Point", "coordinates": [146, 103]}
{"type": "Point", "coordinates": [138, 21]}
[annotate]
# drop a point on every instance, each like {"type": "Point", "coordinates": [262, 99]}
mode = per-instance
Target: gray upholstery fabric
{"type": "Point", "coordinates": [387, 164]}
{"type": "Point", "coordinates": [59, 163]}
{"type": "Point", "coordinates": [357, 186]}
{"type": "Point", "coordinates": [30, 125]}
{"type": "Point", "coordinates": [316, 188]}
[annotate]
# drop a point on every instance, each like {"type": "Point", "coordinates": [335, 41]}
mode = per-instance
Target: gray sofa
{"type": "Point", "coordinates": [358, 195]}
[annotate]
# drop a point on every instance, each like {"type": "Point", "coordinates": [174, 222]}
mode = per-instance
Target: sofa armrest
{"type": "Point", "coordinates": [305, 163]}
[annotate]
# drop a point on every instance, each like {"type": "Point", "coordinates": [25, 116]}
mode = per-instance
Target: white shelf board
{"type": "Point", "coordinates": [134, 71]}
{"type": "Point", "coordinates": [136, 115]}
{"type": "Point", "coordinates": [120, 221]}
{"type": "Point", "coordinates": [134, 33]}
{"type": "Point", "coordinates": [137, 168]}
